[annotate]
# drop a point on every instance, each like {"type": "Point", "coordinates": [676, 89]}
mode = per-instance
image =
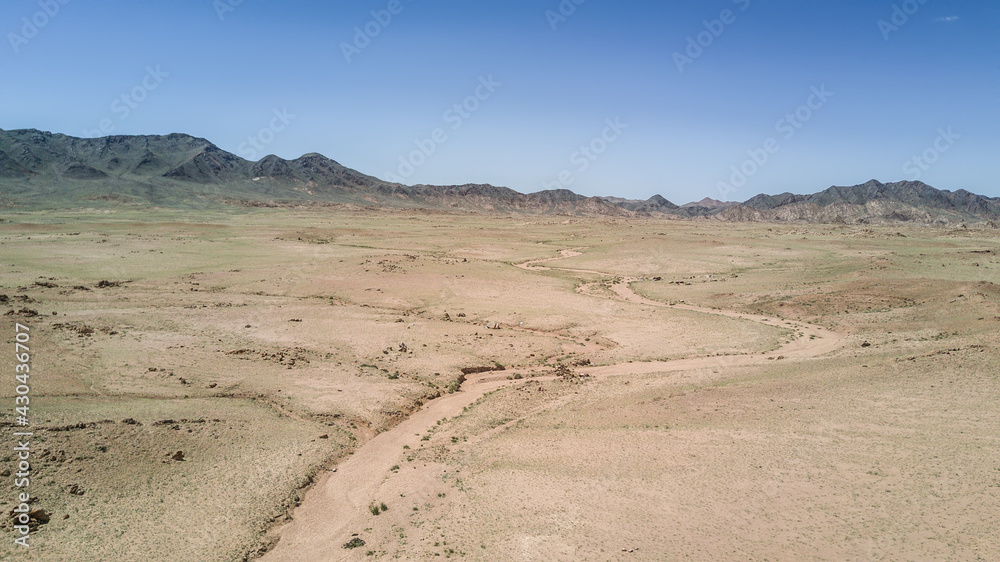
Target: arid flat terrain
{"type": "Point", "coordinates": [420, 384]}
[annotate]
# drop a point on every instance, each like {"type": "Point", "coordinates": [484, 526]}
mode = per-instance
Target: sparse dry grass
{"type": "Point", "coordinates": [287, 325]}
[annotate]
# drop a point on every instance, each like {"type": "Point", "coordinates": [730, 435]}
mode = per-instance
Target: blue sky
{"type": "Point", "coordinates": [683, 98]}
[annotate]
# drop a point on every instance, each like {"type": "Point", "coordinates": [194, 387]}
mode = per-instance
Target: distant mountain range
{"type": "Point", "coordinates": [41, 170]}
{"type": "Point", "coordinates": [709, 202]}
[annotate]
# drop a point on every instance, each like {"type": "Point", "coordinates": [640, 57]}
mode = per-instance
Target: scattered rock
{"type": "Point", "coordinates": [567, 374]}
{"type": "Point", "coordinates": [324, 436]}
{"type": "Point", "coordinates": [178, 456]}
{"type": "Point", "coordinates": [474, 370]}
{"type": "Point", "coordinates": [81, 425]}
{"type": "Point", "coordinates": [39, 515]}
{"type": "Point", "coordinates": [289, 356]}
{"type": "Point", "coordinates": [25, 312]}
{"type": "Point", "coordinates": [866, 344]}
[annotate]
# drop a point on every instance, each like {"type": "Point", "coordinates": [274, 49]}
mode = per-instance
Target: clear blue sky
{"type": "Point", "coordinates": [557, 81]}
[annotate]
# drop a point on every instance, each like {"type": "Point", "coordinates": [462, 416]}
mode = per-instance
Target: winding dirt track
{"type": "Point", "coordinates": [338, 503]}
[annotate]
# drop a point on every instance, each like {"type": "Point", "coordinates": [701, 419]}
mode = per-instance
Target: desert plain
{"type": "Point", "coordinates": [346, 383]}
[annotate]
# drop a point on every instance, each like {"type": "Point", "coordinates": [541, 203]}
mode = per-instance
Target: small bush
{"type": "Point", "coordinates": [354, 543]}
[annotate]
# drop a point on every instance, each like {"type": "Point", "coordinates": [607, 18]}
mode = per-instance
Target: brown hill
{"type": "Point", "coordinates": [46, 170]}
